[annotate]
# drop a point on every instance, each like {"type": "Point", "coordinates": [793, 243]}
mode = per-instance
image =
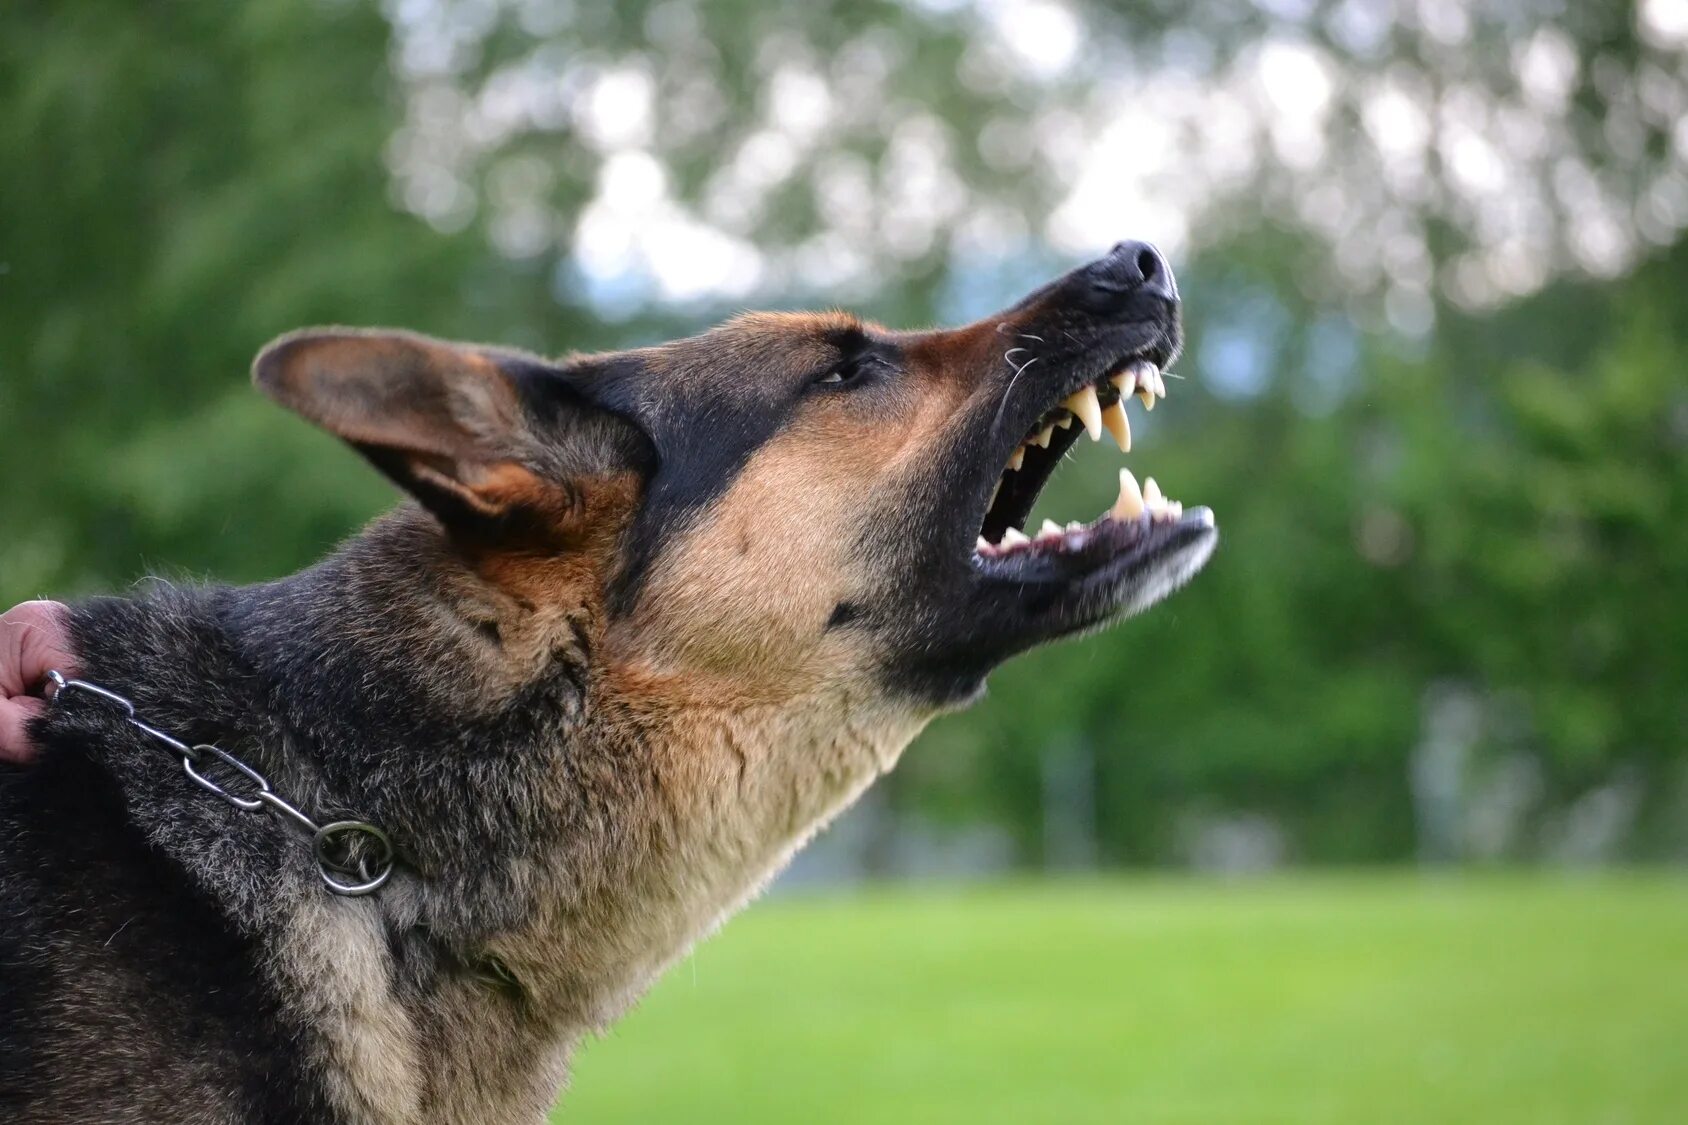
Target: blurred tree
{"type": "Point", "coordinates": [185, 181]}
{"type": "Point", "coordinates": [1504, 508]}
{"type": "Point", "coordinates": [1550, 517]}
{"type": "Point", "coordinates": [1435, 388]}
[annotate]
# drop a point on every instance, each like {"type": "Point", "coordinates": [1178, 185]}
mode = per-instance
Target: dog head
{"type": "Point", "coordinates": [789, 498]}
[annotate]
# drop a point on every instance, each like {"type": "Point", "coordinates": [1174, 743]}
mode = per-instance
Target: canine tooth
{"type": "Point", "coordinates": [1018, 457]}
{"type": "Point", "coordinates": [1160, 385]}
{"type": "Point", "coordinates": [1043, 435]}
{"type": "Point", "coordinates": [1130, 503]}
{"type": "Point", "coordinates": [982, 545]}
{"type": "Point", "coordinates": [1114, 419]}
{"type": "Point", "coordinates": [1152, 497]}
{"type": "Point", "coordinates": [1125, 380]}
{"type": "Point", "coordinates": [1146, 395]}
{"type": "Point", "coordinates": [1050, 527]}
{"type": "Point", "coordinates": [1084, 404]}
{"type": "Point", "coordinates": [1013, 537]}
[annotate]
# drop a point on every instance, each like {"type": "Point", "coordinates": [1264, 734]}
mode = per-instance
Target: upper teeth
{"type": "Point", "coordinates": [1088, 409]}
{"type": "Point", "coordinates": [1114, 419]}
{"type": "Point", "coordinates": [1140, 377]}
{"type": "Point", "coordinates": [1145, 377]}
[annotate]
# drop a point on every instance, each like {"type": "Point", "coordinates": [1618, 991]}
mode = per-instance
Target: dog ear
{"type": "Point", "coordinates": [481, 436]}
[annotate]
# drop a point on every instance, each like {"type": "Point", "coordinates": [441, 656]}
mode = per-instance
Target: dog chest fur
{"type": "Point", "coordinates": [618, 813]}
{"type": "Point", "coordinates": [652, 620]}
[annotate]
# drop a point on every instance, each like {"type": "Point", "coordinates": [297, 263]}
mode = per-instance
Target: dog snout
{"type": "Point", "coordinates": [1133, 267]}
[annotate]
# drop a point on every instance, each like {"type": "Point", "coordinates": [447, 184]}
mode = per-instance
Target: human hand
{"type": "Point", "coordinates": [32, 642]}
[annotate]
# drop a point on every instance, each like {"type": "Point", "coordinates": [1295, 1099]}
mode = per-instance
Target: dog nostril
{"type": "Point", "coordinates": [1148, 264]}
{"type": "Point", "coordinates": [1132, 266]}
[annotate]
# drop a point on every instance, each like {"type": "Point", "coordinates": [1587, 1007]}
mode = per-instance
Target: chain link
{"type": "Point", "coordinates": [334, 845]}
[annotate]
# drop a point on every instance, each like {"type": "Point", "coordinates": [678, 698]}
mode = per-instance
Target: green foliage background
{"type": "Point", "coordinates": [1495, 505]}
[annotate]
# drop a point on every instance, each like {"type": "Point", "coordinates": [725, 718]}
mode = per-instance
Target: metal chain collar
{"type": "Point", "coordinates": [333, 844]}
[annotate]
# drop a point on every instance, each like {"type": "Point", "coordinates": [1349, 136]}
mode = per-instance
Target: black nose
{"type": "Point", "coordinates": [1132, 266]}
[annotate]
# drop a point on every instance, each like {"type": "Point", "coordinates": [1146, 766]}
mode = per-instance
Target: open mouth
{"type": "Point", "coordinates": [1078, 351]}
{"type": "Point", "coordinates": [1139, 517]}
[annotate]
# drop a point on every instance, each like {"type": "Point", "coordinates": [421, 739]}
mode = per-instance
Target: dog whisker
{"type": "Point", "coordinates": [1008, 358]}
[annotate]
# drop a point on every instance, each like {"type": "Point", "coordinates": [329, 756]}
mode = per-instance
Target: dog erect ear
{"type": "Point", "coordinates": [480, 436]}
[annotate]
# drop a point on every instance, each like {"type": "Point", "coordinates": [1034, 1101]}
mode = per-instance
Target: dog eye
{"type": "Point", "coordinates": [857, 369]}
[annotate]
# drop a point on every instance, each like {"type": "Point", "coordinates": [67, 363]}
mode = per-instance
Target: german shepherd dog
{"type": "Point", "coordinates": [648, 620]}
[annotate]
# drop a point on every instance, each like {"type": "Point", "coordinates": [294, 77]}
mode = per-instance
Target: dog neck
{"type": "Point", "coordinates": [572, 818]}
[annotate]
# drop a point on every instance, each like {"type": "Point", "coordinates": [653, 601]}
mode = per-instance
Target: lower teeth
{"type": "Point", "coordinates": [1130, 507]}
{"type": "Point", "coordinates": [1133, 501]}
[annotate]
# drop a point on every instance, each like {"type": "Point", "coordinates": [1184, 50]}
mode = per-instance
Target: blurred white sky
{"type": "Point", "coordinates": [1138, 143]}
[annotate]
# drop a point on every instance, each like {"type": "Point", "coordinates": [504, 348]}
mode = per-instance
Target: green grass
{"type": "Point", "coordinates": [1355, 999]}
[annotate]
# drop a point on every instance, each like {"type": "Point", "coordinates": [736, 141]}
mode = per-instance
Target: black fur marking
{"type": "Point", "coordinates": [701, 441]}
{"type": "Point", "coordinates": [153, 940]}
{"type": "Point", "coordinates": [99, 920]}
{"type": "Point", "coordinates": [125, 888]}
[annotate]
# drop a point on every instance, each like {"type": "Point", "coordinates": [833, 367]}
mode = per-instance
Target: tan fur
{"type": "Point", "coordinates": [336, 957]}
{"type": "Point", "coordinates": [673, 691]}
{"type": "Point", "coordinates": [747, 762]}
{"type": "Point", "coordinates": [760, 725]}
{"type": "Point", "coordinates": [747, 593]}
